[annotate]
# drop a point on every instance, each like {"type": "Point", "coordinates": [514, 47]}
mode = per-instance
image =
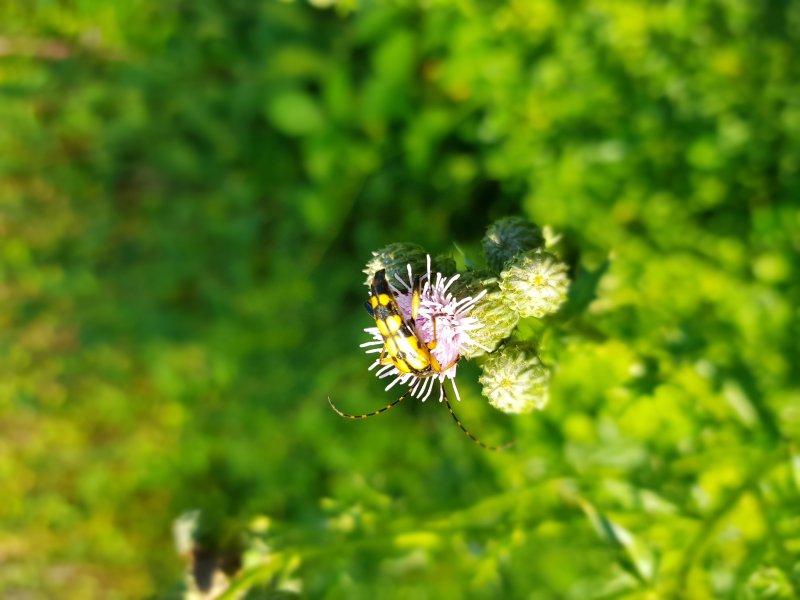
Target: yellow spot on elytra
{"type": "Point", "coordinates": [384, 299]}
{"type": "Point", "coordinates": [401, 365]}
{"type": "Point", "coordinates": [382, 327]}
{"type": "Point", "coordinates": [393, 322]}
{"type": "Point", "coordinates": [373, 302]}
{"type": "Point", "coordinates": [391, 347]}
{"type": "Point", "coordinates": [416, 363]}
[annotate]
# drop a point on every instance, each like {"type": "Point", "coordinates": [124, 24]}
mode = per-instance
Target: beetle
{"type": "Point", "coordinates": [403, 346]}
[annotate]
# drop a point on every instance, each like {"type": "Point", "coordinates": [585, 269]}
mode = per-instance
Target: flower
{"type": "Point", "coordinates": [453, 323]}
{"type": "Point", "coordinates": [395, 258]}
{"type": "Point", "coordinates": [515, 380]}
{"type": "Point", "coordinates": [508, 237]}
{"type": "Point", "coordinates": [497, 318]}
{"type": "Point", "coordinates": [534, 284]}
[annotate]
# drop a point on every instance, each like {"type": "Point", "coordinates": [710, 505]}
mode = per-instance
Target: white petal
{"type": "Point", "coordinates": [430, 389]}
{"type": "Point", "coordinates": [385, 371]}
{"type": "Point", "coordinates": [392, 384]}
{"type": "Point", "coordinates": [372, 343]}
{"type": "Point", "coordinates": [449, 283]}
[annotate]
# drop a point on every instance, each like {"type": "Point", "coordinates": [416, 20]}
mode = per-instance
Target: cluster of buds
{"type": "Point", "coordinates": [477, 311]}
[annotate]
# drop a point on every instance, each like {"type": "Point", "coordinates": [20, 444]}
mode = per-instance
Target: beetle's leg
{"type": "Point", "coordinates": [469, 435]}
{"type": "Point", "coordinates": [416, 300]}
{"type": "Point", "coordinates": [451, 365]}
{"type": "Point", "coordinates": [432, 344]}
{"type": "Point", "coordinates": [372, 414]}
{"type": "Point", "coordinates": [438, 368]}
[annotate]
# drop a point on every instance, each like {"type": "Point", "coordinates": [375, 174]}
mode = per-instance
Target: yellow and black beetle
{"type": "Point", "coordinates": [403, 347]}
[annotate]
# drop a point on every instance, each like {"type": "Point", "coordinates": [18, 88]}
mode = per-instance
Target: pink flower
{"type": "Point", "coordinates": [453, 326]}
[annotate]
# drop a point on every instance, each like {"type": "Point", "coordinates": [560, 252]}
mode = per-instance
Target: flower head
{"type": "Point", "coordinates": [441, 309]}
{"type": "Point", "coordinates": [497, 318]}
{"type": "Point", "coordinates": [508, 237]}
{"type": "Point", "coordinates": [534, 284]}
{"type": "Point", "coordinates": [515, 380]}
{"type": "Point", "coordinates": [394, 258]}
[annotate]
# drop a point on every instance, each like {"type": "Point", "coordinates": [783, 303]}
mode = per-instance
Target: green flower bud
{"type": "Point", "coordinates": [508, 237]}
{"type": "Point", "coordinates": [534, 284]}
{"type": "Point", "coordinates": [444, 264]}
{"type": "Point", "coordinates": [394, 259]}
{"type": "Point", "coordinates": [515, 380]}
{"type": "Point", "coordinates": [491, 311]}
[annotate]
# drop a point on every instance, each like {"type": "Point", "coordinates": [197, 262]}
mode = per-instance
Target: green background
{"type": "Point", "coordinates": [189, 190]}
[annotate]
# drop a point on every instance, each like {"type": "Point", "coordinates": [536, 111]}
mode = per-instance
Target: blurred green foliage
{"type": "Point", "coordinates": [188, 192]}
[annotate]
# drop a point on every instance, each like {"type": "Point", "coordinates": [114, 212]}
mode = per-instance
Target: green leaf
{"type": "Point", "coordinates": [632, 555]}
{"type": "Point", "coordinates": [583, 290]}
{"type": "Point", "coordinates": [295, 113]}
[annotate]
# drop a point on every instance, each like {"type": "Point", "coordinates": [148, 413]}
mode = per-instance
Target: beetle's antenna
{"type": "Point", "coordinates": [372, 414]}
{"type": "Point", "coordinates": [469, 435]}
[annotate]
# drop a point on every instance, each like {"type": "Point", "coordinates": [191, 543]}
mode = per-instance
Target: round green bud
{"type": "Point", "coordinates": [534, 284]}
{"type": "Point", "coordinates": [491, 311]}
{"type": "Point", "coordinates": [514, 379]}
{"type": "Point", "coordinates": [395, 258]}
{"type": "Point", "coordinates": [508, 237]}
{"type": "Point", "coordinates": [443, 264]}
